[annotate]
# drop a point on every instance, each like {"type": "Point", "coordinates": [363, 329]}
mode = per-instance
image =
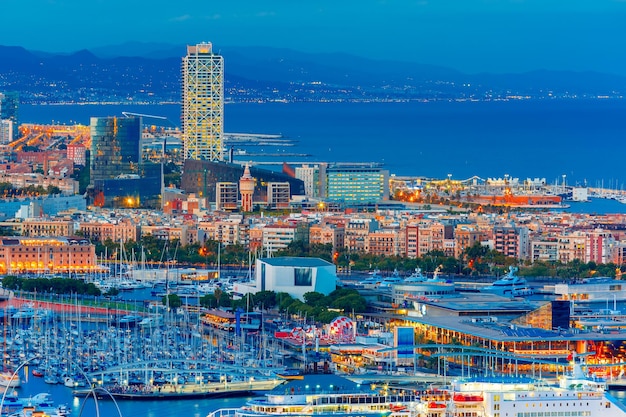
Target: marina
{"type": "Point", "coordinates": [117, 354]}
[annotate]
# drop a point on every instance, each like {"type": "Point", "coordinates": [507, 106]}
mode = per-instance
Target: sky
{"type": "Point", "coordinates": [469, 35]}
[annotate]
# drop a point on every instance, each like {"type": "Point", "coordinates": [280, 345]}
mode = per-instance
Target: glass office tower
{"type": "Point", "coordinates": [115, 147]}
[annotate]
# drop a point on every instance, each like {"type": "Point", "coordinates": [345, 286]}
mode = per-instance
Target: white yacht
{"type": "Point", "coordinates": [373, 281]}
{"type": "Point", "coordinates": [576, 395]}
{"type": "Point", "coordinates": [510, 285]}
{"type": "Point", "coordinates": [391, 280]}
{"type": "Point", "coordinates": [416, 276]}
{"type": "Point", "coordinates": [437, 276]}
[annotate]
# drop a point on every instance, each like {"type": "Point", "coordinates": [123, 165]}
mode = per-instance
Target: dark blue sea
{"type": "Point", "coordinates": [582, 139]}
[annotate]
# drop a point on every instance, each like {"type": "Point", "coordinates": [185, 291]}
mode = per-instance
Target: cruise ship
{"type": "Point", "coordinates": [576, 395]}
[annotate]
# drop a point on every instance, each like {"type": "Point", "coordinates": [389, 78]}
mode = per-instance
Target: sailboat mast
{"type": "Point", "coordinates": [219, 258]}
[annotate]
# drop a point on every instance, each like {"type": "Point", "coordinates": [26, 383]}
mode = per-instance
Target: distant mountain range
{"type": "Point", "coordinates": [151, 73]}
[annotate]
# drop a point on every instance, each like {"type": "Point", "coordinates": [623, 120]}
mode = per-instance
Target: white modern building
{"type": "Point", "coordinates": [203, 103]}
{"type": "Point", "coordinates": [310, 175]}
{"type": "Point", "coordinates": [277, 237]}
{"type": "Point", "coordinates": [294, 276]}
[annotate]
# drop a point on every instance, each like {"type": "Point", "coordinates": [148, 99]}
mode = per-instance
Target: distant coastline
{"type": "Point", "coordinates": [239, 100]}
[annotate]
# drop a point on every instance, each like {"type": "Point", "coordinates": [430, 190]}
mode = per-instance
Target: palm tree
{"type": "Point", "coordinates": [218, 294]}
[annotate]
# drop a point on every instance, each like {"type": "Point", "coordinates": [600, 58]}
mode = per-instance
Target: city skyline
{"type": "Point", "coordinates": [472, 36]}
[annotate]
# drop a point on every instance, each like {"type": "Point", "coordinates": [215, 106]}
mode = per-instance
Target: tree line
{"type": "Point", "coordinates": [316, 306]}
{"type": "Point", "coordinates": [50, 285]}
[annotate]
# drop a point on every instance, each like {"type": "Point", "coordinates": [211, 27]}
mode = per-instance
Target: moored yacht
{"type": "Point", "coordinates": [416, 276]}
{"type": "Point", "coordinates": [373, 281]}
{"type": "Point", "coordinates": [391, 280]}
{"type": "Point", "coordinates": [510, 285]}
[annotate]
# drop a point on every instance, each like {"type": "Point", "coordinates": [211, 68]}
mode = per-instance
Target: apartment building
{"type": "Point", "coordinates": [116, 230]}
{"type": "Point", "coordinates": [277, 237]}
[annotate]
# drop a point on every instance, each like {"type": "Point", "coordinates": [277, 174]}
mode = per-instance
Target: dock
{"type": "Point", "coordinates": [182, 391]}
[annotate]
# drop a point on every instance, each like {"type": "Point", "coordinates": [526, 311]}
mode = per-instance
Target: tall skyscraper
{"type": "Point", "coordinates": [203, 103]}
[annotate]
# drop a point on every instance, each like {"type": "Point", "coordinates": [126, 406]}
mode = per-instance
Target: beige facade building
{"type": "Point", "coordinates": [226, 194]}
{"type": "Point", "coordinates": [465, 236]}
{"type": "Point", "coordinates": [544, 250]}
{"type": "Point", "coordinates": [47, 227]}
{"type": "Point", "coordinates": [46, 255]}
{"type": "Point", "coordinates": [119, 230]}
{"type": "Point", "coordinates": [383, 243]}
{"type": "Point", "coordinates": [165, 232]}
{"type": "Point", "coordinates": [278, 195]}
{"type": "Point", "coordinates": [68, 186]}
{"type": "Point", "coordinates": [320, 234]}
{"type": "Point", "coordinates": [357, 231]}
{"type": "Point", "coordinates": [232, 231]}
{"type": "Point", "coordinates": [571, 246]}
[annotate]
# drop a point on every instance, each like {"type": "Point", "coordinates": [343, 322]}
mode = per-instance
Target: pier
{"type": "Point", "coordinates": [182, 391]}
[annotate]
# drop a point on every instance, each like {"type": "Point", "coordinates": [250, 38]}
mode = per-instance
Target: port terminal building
{"type": "Point", "coordinates": [485, 333]}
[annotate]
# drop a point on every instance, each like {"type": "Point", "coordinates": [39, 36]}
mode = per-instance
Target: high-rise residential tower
{"type": "Point", "coordinates": [203, 103]}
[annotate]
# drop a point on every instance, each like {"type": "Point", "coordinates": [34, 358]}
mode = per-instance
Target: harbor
{"type": "Point", "coordinates": [73, 351]}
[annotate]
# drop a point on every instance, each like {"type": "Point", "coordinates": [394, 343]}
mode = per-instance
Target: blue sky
{"type": "Point", "coordinates": [469, 35]}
